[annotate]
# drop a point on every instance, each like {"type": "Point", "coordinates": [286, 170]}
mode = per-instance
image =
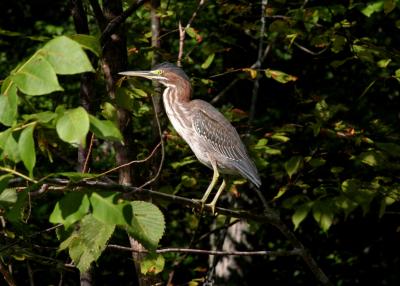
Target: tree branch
{"type": "Point", "coordinates": [115, 22]}
{"type": "Point", "coordinates": [269, 253]}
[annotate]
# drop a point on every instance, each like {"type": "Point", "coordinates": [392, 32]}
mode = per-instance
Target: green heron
{"type": "Point", "coordinates": [212, 138]}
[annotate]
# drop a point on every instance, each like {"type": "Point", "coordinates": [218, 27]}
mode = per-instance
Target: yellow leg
{"type": "Point", "coordinates": [216, 197]}
{"type": "Point", "coordinates": [212, 184]}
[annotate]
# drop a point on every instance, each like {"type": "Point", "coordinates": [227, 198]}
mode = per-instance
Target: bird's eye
{"type": "Point", "coordinates": [159, 72]}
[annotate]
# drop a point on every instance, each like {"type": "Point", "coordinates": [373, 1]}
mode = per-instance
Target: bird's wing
{"type": "Point", "coordinates": [217, 131]}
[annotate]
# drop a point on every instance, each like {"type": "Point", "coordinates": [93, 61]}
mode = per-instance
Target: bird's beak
{"type": "Point", "coordinates": [146, 74]}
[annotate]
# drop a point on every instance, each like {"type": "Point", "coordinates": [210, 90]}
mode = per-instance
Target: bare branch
{"type": "Point", "coordinates": [114, 23]}
{"type": "Point", "coordinates": [308, 51]}
{"type": "Point", "coordinates": [216, 252]}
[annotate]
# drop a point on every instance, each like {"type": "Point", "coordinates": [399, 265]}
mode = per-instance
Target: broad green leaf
{"type": "Point", "coordinates": [279, 76]}
{"type": "Point", "coordinates": [152, 264]}
{"type": "Point", "coordinates": [293, 165]}
{"type": "Point", "coordinates": [107, 209]}
{"type": "Point", "coordinates": [70, 209]}
{"type": "Point", "coordinates": [36, 76]}
{"type": "Point", "coordinates": [86, 244]}
{"type": "Point", "coordinates": [17, 213]}
{"type": "Point", "coordinates": [9, 146]}
{"type": "Point", "coordinates": [392, 149]}
{"type": "Point", "coordinates": [66, 56]}
{"type": "Point", "coordinates": [355, 190]}
{"type": "Point", "coordinates": [88, 42]}
{"type": "Point", "coordinates": [300, 214]}
{"type": "Point", "coordinates": [317, 162]}
{"type": "Point", "coordinates": [26, 147]}
{"type": "Point", "coordinates": [8, 196]}
{"type": "Point", "coordinates": [372, 8]}
{"type": "Point", "coordinates": [148, 224]}
{"type": "Point", "coordinates": [104, 129]}
{"type": "Point", "coordinates": [42, 117]}
{"type": "Point", "coordinates": [8, 102]}
{"type": "Point", "coordinates": [323, 214]}
{"type": "Point", "coordinates": [73, 126]}
{"type": "Point", "coordinates": [389, 5]}
{"type": "Point", "coordinates": [208, 61]}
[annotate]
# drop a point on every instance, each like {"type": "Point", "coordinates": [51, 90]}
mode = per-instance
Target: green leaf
{"type": "Point", "coordinates": [148, 224]}
{"type": "Point", "coordinates": [389, 5]}
{"type": "Point", "coordinates": [8, 102]}
{"type": "Point", "coordinates": [279, 76]}
{"type": "Point", "coordinates": [86, 244]}
{"type": "Point", "coordinates": [66, 56]}
{"type": "Point", "coordinates": [104, 129]}
{"type": "Point", "coordinates": [71, 208]}
{"type": "Point", "coordinates": [4, 181]}
{"type": "Point", "coordinates": [36, 76]}
{"type": "Point", "coordinates": [323, 214]}
{"type": "Point", "coordinates": [152, 264]}
{"type": "Point", "coordinates": [372, 8]}
{"type": "Point", "coordinates": [26, 147]}
{"type": "Point", "coordinates": [9, 146]}
{"type": "Point", "coordinates": [208, 61]}
{"type": "Point", "coordinates": [73, 126]}
{"type": "Point", "coordinates": [88, 42]}
{"type": "Point", "coordinates": [300, 214]}
{"type": "Point", "coordinates": [293, 165]}
{"type": "Point", "coordinates": [42, 117]}
{"type": "Point", "coordinates": [8, 196]}
{"type": "Point", "coordinates": [107, 209]}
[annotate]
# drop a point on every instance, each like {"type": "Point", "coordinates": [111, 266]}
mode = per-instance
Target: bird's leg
{"type": "Point", "coordinates": [215, 199]}
{"type": "Point", "coordinates": [212, 184]}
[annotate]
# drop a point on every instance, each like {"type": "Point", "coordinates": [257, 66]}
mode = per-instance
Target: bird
{"type": "Point", "coordinates": [212, 138]}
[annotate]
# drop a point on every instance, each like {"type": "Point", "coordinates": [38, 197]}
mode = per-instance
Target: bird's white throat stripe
{"type": "Point", "coordinates": [173, 107]}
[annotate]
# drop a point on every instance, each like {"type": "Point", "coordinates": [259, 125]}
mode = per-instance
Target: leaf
{"type": "Point", "coordinates": [388, 6]}
{"type": "Point", "coordinates": [86, 244]}
{"type": "Point", "coordinates": [104, 129]}
{"type": "Point", "coordinates": [108, 210]}
{"type": "Point", "coordinates": [66, 56]}
{"type": "Point", "coordinates": [300, 214]}
{"type": "Point", "coordinates": [73, 126]}
{"type": "Point", "coordinates": [36, 76]}
{"type": "Point", "coordinates": [147, 225]}
{"type": "Point", "coordinates": [42, 117]}
{"type": "Point", "coordinates": [8, 102]}
{"type": "Point", "coordinates": [152, 264]}
{"type": "Point", "coordinates": [323, 214]}
{"type": "Point", "coordinates": [88, 42]}
{"type": "Point", "coordinates": [251, 72]}
{"type": "Point", "coordinates": [293, 165]}
{"type": "Point", "coordinates": [8, 196]}
{"type": "Point", "coordinates": [208, 61]}
{"type": "Point", "coordinates": [279, 76]}
{"type": "Point", "coordinates": [26, 148]}
{"type": "Point", "coordinates": [9, 146]}
{"type": "Point", "coordinates": [70, 209]}
{"type": "Point", "coordinates": [372, 8]}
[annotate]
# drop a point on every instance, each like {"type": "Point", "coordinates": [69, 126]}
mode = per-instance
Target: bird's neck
{"type": "Point", "coordinates": [181, 92]}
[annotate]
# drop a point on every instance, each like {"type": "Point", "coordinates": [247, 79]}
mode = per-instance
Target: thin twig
{"type": "Point", "coordinates": [85, 164]}
{"type": "Point", "coordinates": [308, 51]}
{"type": "Point", "coordinates": [131, 162]}
{"type": "Point", "coordinates": [270, 253]}
{"type": "Point", "coordinates": [8, 170]}
{"type": "Point", "coordinates": [6, 274]}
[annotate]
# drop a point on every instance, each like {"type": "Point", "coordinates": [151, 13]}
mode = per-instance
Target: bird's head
{"type": "Point", "coordinates": [166, 73]}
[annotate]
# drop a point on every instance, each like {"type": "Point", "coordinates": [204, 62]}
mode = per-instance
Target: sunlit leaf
{"type": "Point", "coordinates": [107, 209]}
{"type": "Point", "coordinates": [26, 147]}
{"type": "Point", "coordinates": [323, 214]}
{"type": "Point", "coordinates": [104, 129]}
{"type": "Point", "coordinates": [279, 76]}
{"type": "Point", "coordinates": [152, 264]}
{"type": "Point", "coordinates": [293, 165]}
{"type": "Point", "coordinates": [86, 244]}
{"type": "Point", "coordinates": [372, 8]}
{"type": "Point", "coordinates": [66, 56]}
{"type": "Point", "coordinates": [73, 126]}
{"type": "Point", "coordinates": [8, 196]}
{"type": "Point", "coordinates": [36, 76]}
{"type": "Point", "coordinates": [208, 61]}
{"type": "Point", "coordinates": [88, 42]}
{"type": "Point", "coordinates": [300, 214]}
{"type": "Point", "coordinates": [8, 102]}
{"type": "Point", "coordinates": [148, 224]}
{"type": "Point", "coordinates": [70, 209]}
